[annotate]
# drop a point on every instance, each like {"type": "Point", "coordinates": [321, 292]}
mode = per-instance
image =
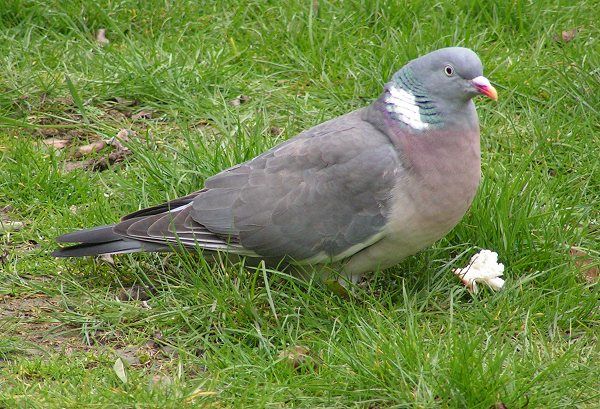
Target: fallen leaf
{"type": "Point", "coordinates": [154, 344]}
{"type": "Point", "coordinates": [566, 36]}
{"type": "Point", "coordinates": [297, 355]}
{"type": "Point", "coordinates": [10, 225]}
{"type": "Point", "coordinates": [158, 336]}
{"type": "Point", "coordinates": [7, 209]}
{"type": "Point", "coordinates": [239, 100]}
{"type": "Point", "coordinates": [108, 259]}
{"type": "Point", "coordinates": [134, 293]}
{"type": "Point", "coordinates": [71, 166]}
{"type": "Point", "coordinates": [57, 143]}
{"type": "Point", "coordinates": [275, 131]}
{"type": "Point", "coordinates": [169, 351]}
{"type": "Point", "coordinates": [4, 256]}
{"type": "Point", "coordinates": [29, 245]}
{"type": "Point", "coordinates": [585, 264]}
{"type": "Point", "coordinates": [161, 381]}
{"type": "Point", "coordinates": [101, 37]}
{"type": "Point", "coordinates": [112, 158]}
{"type": "Point", "coordinates": [129, 355]}
{"type": "Point", "coordinates": [142, 115]}
{"type": "Point", "coordinates": [121, 136]}
{"type": "Point", "coordinates": [499, 405]}
{"type": "Point", "coordinates": [90, 148]}
{"type": "Point", "coordinates": [119, 153]}
{"type": "Point", "coordinates": [202, 123]}
{"type": "Point", "coordinates": [126, 102]}
{"type": "Point", "coordinates": [569, 35]}
{"type": "Point", "coordinates": [119, 369]}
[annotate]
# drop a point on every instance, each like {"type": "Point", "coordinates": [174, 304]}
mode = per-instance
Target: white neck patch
{"type": "Point", "coordinates": [404, 104]}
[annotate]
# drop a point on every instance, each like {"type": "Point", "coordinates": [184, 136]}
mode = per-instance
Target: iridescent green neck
{"type": "Point", "coordinates": [406, 80]}
{"type": "Point", "coordinates": [407, 101]}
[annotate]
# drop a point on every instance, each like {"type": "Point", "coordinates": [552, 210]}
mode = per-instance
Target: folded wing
{"type": "Point", "coordinates": [322, 195]}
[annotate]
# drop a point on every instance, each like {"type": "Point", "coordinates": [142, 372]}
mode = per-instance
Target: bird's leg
{"type": "Point", "coordinates": [348, 280]}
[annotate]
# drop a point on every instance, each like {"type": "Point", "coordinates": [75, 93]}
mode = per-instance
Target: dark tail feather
{"type": "Point", "coordinates": [102, 240]}
{"type": "Point", "coordinates": [101, 234]}
{"type": "Point", "coordinates": [114, 247]}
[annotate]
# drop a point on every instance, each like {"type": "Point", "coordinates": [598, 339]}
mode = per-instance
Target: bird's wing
{"type": "Point", "coordinates": [323, 195]}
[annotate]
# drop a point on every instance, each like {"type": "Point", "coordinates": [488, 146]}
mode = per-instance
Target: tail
{"type": "Point", "coordinates": [102, 240]}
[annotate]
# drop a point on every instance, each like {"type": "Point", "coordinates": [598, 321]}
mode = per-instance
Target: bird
{"type": "Point", "coordinates": [359, 192]}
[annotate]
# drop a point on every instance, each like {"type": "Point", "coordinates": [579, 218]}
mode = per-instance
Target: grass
{"type": "Point", "coordinates": [212, 334]}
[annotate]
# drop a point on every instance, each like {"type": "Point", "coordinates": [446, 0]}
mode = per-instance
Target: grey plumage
{"type": "Point", "coordinates": [365, 189]}
{"type": "Point", "coordinates": [315, 196]}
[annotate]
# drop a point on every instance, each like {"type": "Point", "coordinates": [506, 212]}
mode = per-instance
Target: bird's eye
{"type": "Point", "coordinates": [449, 70]}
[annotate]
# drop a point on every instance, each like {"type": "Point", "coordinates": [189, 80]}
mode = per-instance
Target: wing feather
{"type": "Point", "coordinates": [320, 196]}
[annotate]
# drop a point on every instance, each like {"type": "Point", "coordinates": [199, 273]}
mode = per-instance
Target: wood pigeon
{"type": "Point", "coordinates": [362, 191]}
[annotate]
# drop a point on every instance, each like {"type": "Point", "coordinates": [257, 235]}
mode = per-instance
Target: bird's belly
{"type": "Point", "coordinates": [418, 217]}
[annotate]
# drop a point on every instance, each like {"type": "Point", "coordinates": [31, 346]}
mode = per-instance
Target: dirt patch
{"type": "Point", "coordinates": [33, 322]}
{"type": "Point", "coordinates": [62, 127]}
{"type": "Point", "coordinates": [585, 264]}
{"type": "Point", "coordinates": [10, 248]}
{"type": "Point", "coordinates": [7, 223]}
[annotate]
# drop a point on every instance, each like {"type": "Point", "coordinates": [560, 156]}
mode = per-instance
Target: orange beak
{"type": "Point", "coordinates": [483, 85]}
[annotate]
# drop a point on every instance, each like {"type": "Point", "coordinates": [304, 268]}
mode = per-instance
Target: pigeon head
{"type": "Point", "coordinates": [434, 90]}
{"type": "Point", "coordinates": [452, 74]}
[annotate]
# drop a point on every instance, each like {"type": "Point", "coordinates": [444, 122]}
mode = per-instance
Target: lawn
{"type": "Point", "coordinates": [195, 87]}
